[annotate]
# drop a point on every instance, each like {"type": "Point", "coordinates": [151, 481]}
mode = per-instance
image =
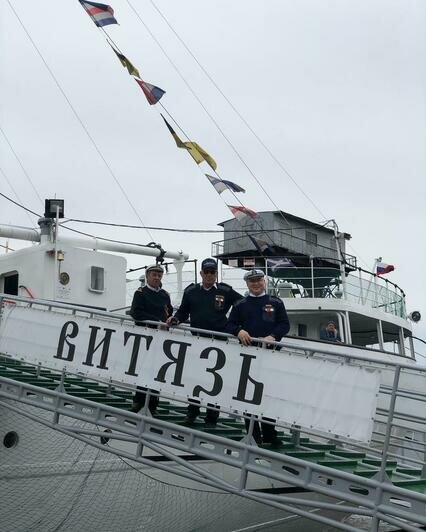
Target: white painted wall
{"type": "Point", "coordinates": [36, 269]}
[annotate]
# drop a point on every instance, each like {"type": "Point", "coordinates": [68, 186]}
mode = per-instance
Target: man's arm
{"type": "Point", "coordinates": [233, 325]}
{"type": "Point", "coordinates": [183, 311]}
{"type": "Point", "coordinates": [169, 308]}
{"type": "Point", "coordinates": [282, 324]}
{"type": "Point", "coordinates": [235, 296]}
{"type": "Point", "coordinates": [138, 310]}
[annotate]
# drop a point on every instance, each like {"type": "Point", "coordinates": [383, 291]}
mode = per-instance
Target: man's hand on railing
{"type": "Point", "coordinates": [244, 337]}
{"type": "Point", "coordinates": [172, 321]}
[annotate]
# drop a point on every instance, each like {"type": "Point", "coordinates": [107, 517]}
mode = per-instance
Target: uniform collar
{"type": "Point", "coordinates": [152, 288]}
{"type": "Point", "coordinates": [260, 295]}
{"type": "Point", "coordinates": [208, 289]}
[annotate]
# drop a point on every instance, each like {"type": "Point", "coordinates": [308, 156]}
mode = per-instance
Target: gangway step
{"type": "Point", "coordinates": [348, 454]}
{"type": "Point", "coordinates": [320, 446]}
{"type": "Point", "coordinates": [409, 471]}
{"type": "Point", "coordinates": [418, 485]}
{"type": "Point", "coordinates": [377, 462]}
{"type": "Point", "coordinates": [338, 463]}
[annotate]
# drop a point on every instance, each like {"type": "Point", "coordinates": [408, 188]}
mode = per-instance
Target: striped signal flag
{"type": "Point", "coordinates": [101, 14]}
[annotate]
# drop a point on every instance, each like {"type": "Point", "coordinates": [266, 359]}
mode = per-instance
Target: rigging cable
{"type": "Point", "coordinates": [173, 229]}
{"type": "Point", "coordinates": [206, 110]}
{"type": "Point", "coordinates": [14, 191]}
{"type": "Point", "coordinates": [236, 111]}
{"type": "Point", "coordinates": [262, 143]}
{"type": "Point", "coordinates": [76, 230]}
{"type": "Point", "coordinates": [255, 219]}
{"type": "Point", "coordinates": [76, 115]}
{"type": "Point", "coordinates": [21, 165]}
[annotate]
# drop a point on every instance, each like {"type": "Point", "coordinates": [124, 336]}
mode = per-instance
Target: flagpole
{"type": "Point", "coordinates": [266, 274]}
{"type": "Point", "coordinates": [340, 257]}
{"type": "Point", "coordinates": [372, 276]}
{"type": "Point", "coordinates": [376, 261]}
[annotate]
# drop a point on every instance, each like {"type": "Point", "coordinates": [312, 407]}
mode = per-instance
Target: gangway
{"type": "Point", "coordinates": [384, 479]}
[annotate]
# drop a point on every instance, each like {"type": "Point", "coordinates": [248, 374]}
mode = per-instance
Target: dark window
{"type": "Point", "coordinates": [11, 284]}
{"type": "Point", "coordinates": [311, 238]}
{"type": "Point", "coordinates": [302, 330]}
{"type": "Point", "coordinates": [97, 277]}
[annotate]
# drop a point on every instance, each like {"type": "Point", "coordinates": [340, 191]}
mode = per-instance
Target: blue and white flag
{"type": "Point", "coordinates": [276, 264]}
{"type": "Point", "coordinates": [221, 184]}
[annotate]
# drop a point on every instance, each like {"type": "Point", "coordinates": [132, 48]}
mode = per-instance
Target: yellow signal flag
{"type": "Point", "coordinates": [131, 69]}
{"type": "Point", "coordinates": [195, 150]}
{"type": "Point", "coordinates": [199, 155]}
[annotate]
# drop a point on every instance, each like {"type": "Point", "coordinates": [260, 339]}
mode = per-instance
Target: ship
{"type": "Point", "coordinates": [350, 414]}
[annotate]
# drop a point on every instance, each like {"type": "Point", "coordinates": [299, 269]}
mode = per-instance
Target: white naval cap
{"type": "Point", "coordinates": [251, 274]}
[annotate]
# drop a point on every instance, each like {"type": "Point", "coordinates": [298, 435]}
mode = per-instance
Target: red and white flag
{"type": "Point", "coordinates": [241, 212]}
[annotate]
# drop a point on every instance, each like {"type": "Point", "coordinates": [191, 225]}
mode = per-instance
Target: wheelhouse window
{"type": "Point", "coordinates": [97, 279]}
{"type": "Point", "coordinates": [10, 283]}
{"type": "Point", "coordinates": [311, 238]}
{"type": "Point", "coordinates": [302, 330]}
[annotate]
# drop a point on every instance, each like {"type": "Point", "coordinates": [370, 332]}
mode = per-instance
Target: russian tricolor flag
{"type": "Point", "coordinates": [101, 14]}
{"type": "Point", "coordinates": [382, 268]}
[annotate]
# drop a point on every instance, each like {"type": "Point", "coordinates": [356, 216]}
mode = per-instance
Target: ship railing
{"type": "Point", "coordinates": [401, 412]}
{"type": "Point", "coordinates": [361, 287]}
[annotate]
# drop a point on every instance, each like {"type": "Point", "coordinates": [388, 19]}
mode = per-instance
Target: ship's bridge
{"type": "Point", "coordinates": [306, 264]}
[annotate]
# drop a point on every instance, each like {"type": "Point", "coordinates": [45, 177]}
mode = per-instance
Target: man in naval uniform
{"type": "Point", "coordinates": [150, 302]}
{"type": "Point", "coordinates": [258, 315]}
{"type": "Point", "coordinates": [207, 304]}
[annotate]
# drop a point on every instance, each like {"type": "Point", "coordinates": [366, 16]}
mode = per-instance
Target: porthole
{"type": "Point", "coordinates": [64, 278]}
{"type": "Point", "coordinates": [105, 439]}
{"type": "Point", "coordinates": [10, 440]}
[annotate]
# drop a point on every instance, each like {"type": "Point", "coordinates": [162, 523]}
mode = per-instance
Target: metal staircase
{"type": "Point", "coordinates": [355, 481]}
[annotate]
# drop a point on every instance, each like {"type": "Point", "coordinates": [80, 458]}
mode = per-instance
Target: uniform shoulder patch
{"type": "Point", "coordinates": [225, 287]}
{"type": "Point", "coordinates": [275, 299]}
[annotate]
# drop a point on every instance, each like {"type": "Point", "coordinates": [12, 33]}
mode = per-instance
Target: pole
{"type": "Point", "coordinates": [266, 274]}
{"type": "Point", "coordinates": [311, 258]}
{"type": "Point", "coordinates": [382, 473]}
{"type": "Point", "coordinates": [361, 293]}
{"type": "Point", "coordinates": [55, 273]}
{"type": "Point", "coordinates": [178, 264]}
{"type": "Point", "coordinates": [340, 257]}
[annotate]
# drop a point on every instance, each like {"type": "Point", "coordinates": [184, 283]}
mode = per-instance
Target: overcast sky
{"type": "Point", "coordinates": [336, 90]}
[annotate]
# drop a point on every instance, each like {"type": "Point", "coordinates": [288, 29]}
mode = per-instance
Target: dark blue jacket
{"type": "Point", "coordinates": [207, 308]}
{"type": "Point", "coordinates": [260, 317]}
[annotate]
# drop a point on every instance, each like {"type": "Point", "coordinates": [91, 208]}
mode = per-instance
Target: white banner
{"type": "Point", "coordinates": [326, 395]}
